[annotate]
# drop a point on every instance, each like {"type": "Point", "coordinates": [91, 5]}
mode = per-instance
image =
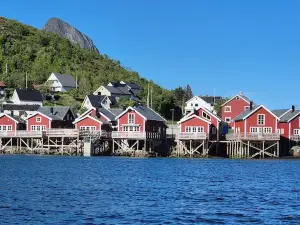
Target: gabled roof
{"type": "Point", "coordinates": [238, 95]}
{"type": "Point", "coordinates": [29, 94]}
{"type": "Point", "coordinates": [193, 116]}
{"type": "Point", "coordinates": [87, 116]}
{"type": "Point", "coordinates": [113, 90]}
{"type": "Point", "coordinates": [133, 85]}
{"type": "Point", "coordinates": [108, 114]}
{"type": "Point", "coordinates": [116, 112]}
{"type": "Point", "coordinates": [59, 112]}
{"type": "Point", "coordinates": [249, 112]}
{"type": "Point", "coordinates": [96, 100]}
{"type": "Point", "coordinates": [290, 116]}
{"type": "Point", "coordinates": [211, 99]}
{"type": "Point", "coordinates": [206, 110]}
{"type": "Point", "coordinates": [17, 120]}
{"type": "Point", "coordinates": [66, 80]}
{"type": "Point", "coordinates": [145, 112]}
{"type": "Point", "coordinates": [13, 107]}
{"type": "Point", "coordinates": [280, 112]}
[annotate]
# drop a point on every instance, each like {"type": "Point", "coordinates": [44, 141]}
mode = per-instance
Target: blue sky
{"type": "Point", "coordinates": [230, 46]}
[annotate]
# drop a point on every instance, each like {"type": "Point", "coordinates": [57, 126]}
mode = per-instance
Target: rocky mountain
{"type": "Point", "coordinates": [65, 30]}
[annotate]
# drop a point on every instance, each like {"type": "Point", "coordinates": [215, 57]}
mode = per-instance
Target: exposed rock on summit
{"type": "Point", "coordinates": [65, 30]}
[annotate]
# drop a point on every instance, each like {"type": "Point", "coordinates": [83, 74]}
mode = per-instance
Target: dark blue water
{"type": "Point", "coordinates": [71, 190]}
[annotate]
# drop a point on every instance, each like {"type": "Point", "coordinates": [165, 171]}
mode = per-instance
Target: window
{"type": "Point", "coordinates": [131, 128]}
{"type": "Point", "coordinates": [237, 98]}
{"type": "Point", "coordinates": [131, 118]}
{"type": "Point", "coordinates": [261, 119]}
{"type": "Point", "coordinates": [196, 105]}
{"type": "Point", "coordinates": [137, 129]}
{"type": "Point", "coordinates": [9, 127]}
{"type": "Point", "coordinates": [227, 108]}
{"type": "Point", "coordinates": [296, 131]}
{"type": "Point", "coordinates": [253, 129]}
{"type": "Point", "coordinates": [200, 129]}
{"type": "Point", "coordinates": [125, 128]}
{"type": "Point", "coordinates": [205, 115]}
{"type": "Point", "coordinates": [227, 119]}
{"type": "Point", "coordinates": [247, 107]}
{"type": "Point", "coordinates": [282, 131]}
{"type": "Point", "coordinates": [191, 104]}
{"type": "Point", "coordinates": [32, 127]}
{"type": "Point", "coordinates": [85, 128]}
{"type": "Point", "coordinates": [194, 129]}
{"type": "Point", "coordinates": [267, 130]}
{"type": "Point", "coordinates": [38, 119]}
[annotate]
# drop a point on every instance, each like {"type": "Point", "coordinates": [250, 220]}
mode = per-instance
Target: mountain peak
{"type": "Point", "coordinates": [65, 30]}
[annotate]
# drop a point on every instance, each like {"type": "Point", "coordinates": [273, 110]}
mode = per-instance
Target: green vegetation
{"type": "Point", "coordinates": [27, 49]}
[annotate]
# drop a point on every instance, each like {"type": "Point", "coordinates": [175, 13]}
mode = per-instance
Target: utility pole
{"type": "Point", "coordinates": [151, 96]}
{"type": "Point", "coordinates": [172, 110]}
{"type": "Point", "coordinates": [148, 96]}
{"type": "Point", "coordinates": [6, 69]}
{"type": "Point", "coordinates": [26, 86]}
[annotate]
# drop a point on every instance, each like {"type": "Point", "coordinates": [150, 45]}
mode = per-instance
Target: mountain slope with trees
{"type": "Point", "coordinates": [25, 49]}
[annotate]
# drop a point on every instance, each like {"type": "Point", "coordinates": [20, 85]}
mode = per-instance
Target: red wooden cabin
{"type": "Point", "coordinates": [141, 121]}
{"type": "Point", "coordinates": [289, 124]}
{"type": "Point", "coordinates": [206, 115]}
{"type": "Point", "coordinates": [9, 123]}
{"type": "Point", "coordinates": [233, 107]}
{"type": "Point", "coordinates": [50, 117]}
{"type": "Point", "coordinates": [256, 120]}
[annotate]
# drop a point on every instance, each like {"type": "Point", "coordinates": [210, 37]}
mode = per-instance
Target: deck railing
{"type": "Point", "coordinates": [21, 133]}
{"type": "Point", "coordinates": [191, 136]}
{"type": "Point", "coordinates": [61, 133]}
{"type": "Point", "coordinates": [295, 137]}
{"type": "Point", "coordinates": [128, 135]}
{"type": "Point", "coordinates": [253, 136]}
{"type": "Point", "coordinates": [98, 133]}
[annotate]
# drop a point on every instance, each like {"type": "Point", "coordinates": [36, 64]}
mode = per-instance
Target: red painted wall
{"type": "Point", "coordinates": [270, 120]}
{"type": "Point", "coordinates": [213, 120]}
{"type": "Point", "coordinates": [285, 127]}
{"type": "Point", "coordinates": [237, 107]}
{"type": "Point", "coordinates": [32, 121]}
{"type": "Point", "coordinates": [295, 124]}
{"type": "Point", "coordinates": [5, 120]}
{"type": "Point", "coordinates": [138, 120]}
{"type": "Point", "coordinates": [239, 124]}
{"type": "Point", "coordinates": [194, 122]}
{"type": "Point", "coordinates": [88, 122]}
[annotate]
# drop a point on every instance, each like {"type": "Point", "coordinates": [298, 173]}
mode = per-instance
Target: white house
{"type": "Point", "coordinates": [61, 82]}
{"type": "Point", "coordinates": [206, 102]}
{"type": "Point", "coordinates": [96, 101]}
{"type": "Point", "coordinates": [23, 96]}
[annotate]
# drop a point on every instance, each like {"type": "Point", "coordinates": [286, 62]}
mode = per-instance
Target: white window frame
{"type": "Point", "coordinates": [38, 119]}
{"type": "Point", "coordinates": [267, 130]}
{"type": "Point", "coordinates": [133, 118]}
{"type": "Point", "coordinates": [296, 131]}
{"type": "Point", "coordinates": [264, 119]}
{"type": "Point", "coordinates": [207, 116]}
{"type": "Point", "coordinates": [253, 130]}
{"type": "Point", "coordinates": [237, 98]}
{"type": "Point", "coordinates": [281, 131]}
{"type": "Point", "coordinates": [227, 108]}
{"type": "Point", "coordinates": [86, 127]}
{"type": "Point", "coordinates": [227, 118]}
{"type": "Point", "coordinates": [194, 129]}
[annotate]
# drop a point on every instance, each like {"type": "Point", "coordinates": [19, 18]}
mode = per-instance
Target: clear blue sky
{"type": "Point", "coordinates": [230, 45]}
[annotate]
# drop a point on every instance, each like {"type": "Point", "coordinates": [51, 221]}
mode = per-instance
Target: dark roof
{"type": "Point", "coordinates": [279, 112]}
{"type": "Point", "coordinates": [29, 94]}
{"type": "Point", "coordinates": [289, 116]}
{"type": "Point", "coordinates": [59, 112]}
{"type": "Point", "coordinates": [107, 113]}
{"type": "Point", "coordinates": [245, 113]}
{"type": "Point", "coordinates": [211, 99]}
{"type": "Point", "coordinates": [113, 100]}
{"type": "Point", "coordinates": [124, 90]}
{"type": "Point", "coordinates": [116, 112]}
{"type": "Point", "coordinates": [133, 85]}
{"type": "Point", "coordinates": [114, 90]}
{"type": "Point", "coordinates": [21, 107]}
{"type": "Point", "coordinates": [148, 113]}
{"type": "Point", "coordinates": [66, 80]}
{"type": "Point", "coordinates": [96, 100]}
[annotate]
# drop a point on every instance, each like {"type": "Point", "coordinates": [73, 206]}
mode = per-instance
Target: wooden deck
{"type": "Point", "coordinates": [253, 136]}
{"type": "Point", "coordinates": [295, 138]}
{"type": "Point", "coordinates": [21, 134]}
{"type": "Point", "coordinates": [128, 135]}
{"type": "Point", "coordinates": [191, 136]}
{"type": "Point", "coordinates": [61, 133]}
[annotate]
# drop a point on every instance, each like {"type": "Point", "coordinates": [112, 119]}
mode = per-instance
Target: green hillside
{"type": "Point", "coordinates": [27, 49]}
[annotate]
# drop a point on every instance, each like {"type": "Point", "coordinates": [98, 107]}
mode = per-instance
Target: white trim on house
{"type": "Point", "coordinates": [207, 111]}
{"type": "Point", "coordinates": [193, 116]}
{"type": "Point", "coordinates": [293, 117]}
{"type": "Point", "coordinates": [81, 118]}
{"type": "Point", "coordinates": [34, 114]}
{"type": "Point", "coordinates": [206, 116]}
{"type": "Point", "coordinates": [263, 119]}
{"type": "Point", "coordinates": [126, 110]}
{"type": "Point", "coordinates": [4, 114]}
{"type": "Point", "coordinates": [259, 107]}
{"type": "Point", "coordinates": [239, 95]}
{"type": "Point", "coordinates": [228, 107]}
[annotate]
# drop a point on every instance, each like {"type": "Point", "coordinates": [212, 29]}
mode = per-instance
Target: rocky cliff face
{"type": "Point", "coordinates": [65, 30]}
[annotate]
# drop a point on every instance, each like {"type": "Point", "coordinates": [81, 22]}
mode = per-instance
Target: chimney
{"type": "Point", "coordinates": [293, 108]}
{"type": "Point", "coordinates": [51, 110]}
{"type": "Point", "coordinates": [12, 113]}
{"type": "Point", "coordinates": [97, 113]}
{"type": "Point", "coordinates": [251, 105]}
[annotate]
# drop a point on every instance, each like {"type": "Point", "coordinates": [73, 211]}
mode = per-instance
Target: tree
{"type": "Point", "coordinates": [188, 93]}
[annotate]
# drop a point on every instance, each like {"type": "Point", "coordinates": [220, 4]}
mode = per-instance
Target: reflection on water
{"type": "Point", "coordinates": [76, 190]}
